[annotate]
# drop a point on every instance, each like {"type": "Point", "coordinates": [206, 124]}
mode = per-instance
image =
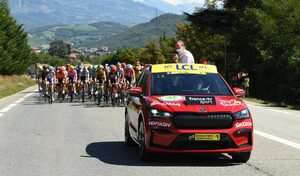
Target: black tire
{"type": "Point", "coordinates": [83, 94]}
{"type": "Point", "coordinates": [143, 154]}
{"type": "Point", "coordinates": [128, 140]}
{"type": "Point", "coordinates": [242, 157]}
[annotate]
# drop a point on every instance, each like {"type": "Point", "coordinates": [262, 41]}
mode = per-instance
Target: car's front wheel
{"type": "Point", "coordinates": [144, 155]}
{"type": "Point", "coordinates": [242, 157]}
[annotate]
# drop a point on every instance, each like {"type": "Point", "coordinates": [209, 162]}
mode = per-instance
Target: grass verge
{"type": "Point", "coordinates": [10, 85]}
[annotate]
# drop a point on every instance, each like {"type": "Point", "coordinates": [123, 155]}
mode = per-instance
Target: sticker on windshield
{"type": "Point", "coordinates": [172, 98]}
{"type": "Point", "coordinates": [184, 68]}
{"type": "Point", "coordinates": [193, 100]}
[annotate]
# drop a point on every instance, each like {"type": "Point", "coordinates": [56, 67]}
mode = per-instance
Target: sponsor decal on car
{"type": "Point", "coordinates": [193, 100]}
{"type": "Point", "coordinates": [159, 124]}
{"type": "Point", "coordinates": [171, 98]}
{"type": "Point", "coordinates": [243, 124]}
{"type": "Point", "coordinates": [173, 104]}
{"type": "Point", "coordinates": [184, 68]}
{"type": "Point", "coordinates": [232, 102]}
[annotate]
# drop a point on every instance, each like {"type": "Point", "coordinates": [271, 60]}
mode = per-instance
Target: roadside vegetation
{"type": "Point", "coordinates": [12, 84]}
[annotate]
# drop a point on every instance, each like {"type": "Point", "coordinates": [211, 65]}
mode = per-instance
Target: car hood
{"type": "Point", "coordinates": [201, 104]}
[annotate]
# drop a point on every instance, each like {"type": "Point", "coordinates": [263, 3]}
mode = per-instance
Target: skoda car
{"type": "Point", "coordinates": [187, 108]}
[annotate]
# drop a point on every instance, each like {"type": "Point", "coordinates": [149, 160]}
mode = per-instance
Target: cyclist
{"type": "Point", "coordinates": [61, 76]}
{"type": "Point", "coordinates": [44, 73]}
{"type": "Point", "coordinates": [129, 75]}
{"type": "Point", "coordinates": [101, 74]}
{"type": "Point", "coordinates": [50, 81]}
{"type": "Point", "coordinates": [138, 69]}
{"type": "Point", "coordinates": [72, 76]}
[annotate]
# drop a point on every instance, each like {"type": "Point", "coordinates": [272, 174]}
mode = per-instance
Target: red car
{"type": "Point", "coordinates": [187, 108]}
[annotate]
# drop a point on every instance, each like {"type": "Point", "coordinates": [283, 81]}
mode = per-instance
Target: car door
{"type": "Point", "coordinates": [133, 108]}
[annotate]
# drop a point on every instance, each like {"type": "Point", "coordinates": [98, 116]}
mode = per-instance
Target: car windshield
{"type": "Point", "coordinates": [189, 84]}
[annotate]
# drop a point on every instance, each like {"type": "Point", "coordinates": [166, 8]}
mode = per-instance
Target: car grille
{"type": "Point", "coordinates": [184, 143]}
{"type": "Point", "coordinates": [203, 121]}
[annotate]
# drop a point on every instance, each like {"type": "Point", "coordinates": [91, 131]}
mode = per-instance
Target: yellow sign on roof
{"type": "Point", "coordinates": [184, 68]}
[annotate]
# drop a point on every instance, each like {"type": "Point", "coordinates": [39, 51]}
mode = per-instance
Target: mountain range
{"type": "Point", "coordinates": [113, 35]}
{"type": "Point", "coordinates": [37, 13]}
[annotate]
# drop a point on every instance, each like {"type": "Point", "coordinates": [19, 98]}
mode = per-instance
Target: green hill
{"type": "Point", "coordinates": [79, 35]}
{"type": "Point", "coordinates": [109, 34]}
{"type": "Point", "coordinates": [138, 35]}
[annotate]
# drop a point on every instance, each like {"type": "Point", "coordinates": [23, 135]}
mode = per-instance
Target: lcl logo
{"type": "Point", "coordinates": [188, 67]}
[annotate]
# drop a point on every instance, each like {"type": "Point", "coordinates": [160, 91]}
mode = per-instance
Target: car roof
{"type": "Point", "coordinates": [183, 68]}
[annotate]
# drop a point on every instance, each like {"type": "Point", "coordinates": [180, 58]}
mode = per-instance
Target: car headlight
{"type": "Point", "coordinates": [157, 113]}
{"type": "Point", "coordinates": [244, 114]}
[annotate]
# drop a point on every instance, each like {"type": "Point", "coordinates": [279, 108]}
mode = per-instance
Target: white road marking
{"type": "Point", "coordinates": [269, 109]}
{"type": "Point", "coordinates": [278, 139]}
{"type": "Point", "coordinates": [10, 106]}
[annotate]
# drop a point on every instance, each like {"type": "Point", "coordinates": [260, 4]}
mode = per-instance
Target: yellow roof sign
{"type": "Point", "coordinates": [184, 68]}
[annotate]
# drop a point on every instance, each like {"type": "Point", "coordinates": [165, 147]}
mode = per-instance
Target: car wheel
{"type": "Point", "coordinates": [242, 157]}
{"type": "Point", "coordinates": [128, 140]}
{"type": "Point", "coordinates": [144, 155]}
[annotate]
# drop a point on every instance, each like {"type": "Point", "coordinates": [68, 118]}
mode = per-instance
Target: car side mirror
{"type": "Point", "coordinates": [136, 91]}
{"type": "Point", "coordinates": [240, 93]}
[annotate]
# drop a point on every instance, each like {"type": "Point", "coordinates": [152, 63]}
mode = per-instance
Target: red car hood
{"type": "Point", "coordinates": [179, 104]}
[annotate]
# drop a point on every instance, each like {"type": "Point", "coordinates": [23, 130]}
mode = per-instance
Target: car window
{"type": "Point", "coordinates": [143, 83]}
{"type": "Point", "coordinates": [189, 84]}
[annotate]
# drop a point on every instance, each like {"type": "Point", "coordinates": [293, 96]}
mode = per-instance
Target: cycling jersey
{"type": "Point", "coordinates": [113, 77]}
{"type": "Point", "coordinates": [72, 76]}
{"type": "Point", "coordinates": [93, 73]}
{"type": "Point", "coordinates": [50, 77]}
{"type": "Point", "coordinates": [100, 75]}
{"type": "Point", "coordinates": [129, 73]}
{"type": "Point", "coordinates": [44, 74]}
{"type": "Point", "coordinates": [120, 73]}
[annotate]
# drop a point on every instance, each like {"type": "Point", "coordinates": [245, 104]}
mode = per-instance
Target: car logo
{"type": "Point", "coordinates": [203, 109]}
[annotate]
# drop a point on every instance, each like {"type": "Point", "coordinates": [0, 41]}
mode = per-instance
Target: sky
{"type": "Point", "coordinates": [179, 2]}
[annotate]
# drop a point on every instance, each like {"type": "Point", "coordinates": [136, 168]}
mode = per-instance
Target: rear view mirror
{"type": "Point", "coordinates": [136, 91]}
{"type": "Point", "coordinates": [240, 93]}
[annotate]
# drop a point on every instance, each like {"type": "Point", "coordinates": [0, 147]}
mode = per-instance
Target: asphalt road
{"type": "Point", "coordinates": [75, 139]}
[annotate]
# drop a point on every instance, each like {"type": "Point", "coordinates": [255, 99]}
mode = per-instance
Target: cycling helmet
{"type": "Point", "coordinates": [113, 68]}
{"type": "Point", "coordinates": [51, 68]}
{"type": "Point", "coordinates": [101, 67]}
{"type": "Point", "coordinates": [129, 66]}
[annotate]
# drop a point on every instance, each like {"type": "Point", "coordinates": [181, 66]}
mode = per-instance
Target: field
{"type": "Point", "coordinates": [13, 84]}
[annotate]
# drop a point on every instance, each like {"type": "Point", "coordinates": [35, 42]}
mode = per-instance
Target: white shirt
{"type": "Point", "coordinates": [186, 57]}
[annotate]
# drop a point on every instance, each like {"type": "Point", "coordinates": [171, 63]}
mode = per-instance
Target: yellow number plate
{"type": "Point", "coordinates": [207, 137]}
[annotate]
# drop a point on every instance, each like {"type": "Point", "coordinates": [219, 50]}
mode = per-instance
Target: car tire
{"type": "Point", "coordinates": [242, 157]}
{"type": "Point", "coordinates": [144, 155]}
{"type": "Point", "coordinates": [128, 140]}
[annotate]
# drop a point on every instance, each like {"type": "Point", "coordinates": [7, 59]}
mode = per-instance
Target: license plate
{"type": "Point", "coordinates": [207, 137]}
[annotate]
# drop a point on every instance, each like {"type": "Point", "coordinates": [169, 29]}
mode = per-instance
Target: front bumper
{"type": "Point", "coordinates": [167, 139]}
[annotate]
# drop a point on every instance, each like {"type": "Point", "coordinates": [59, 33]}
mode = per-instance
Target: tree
{"type": "Point", "coordinates": [202, 44]}
{"type": "Point", "coordinates": [59, 48]}
{"type": "Point", "coordinates": [152, 54]}
{"type": "Point", "coordinates": [4, 3]}
{"type": "Point", "coordinates": [15, 53]}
